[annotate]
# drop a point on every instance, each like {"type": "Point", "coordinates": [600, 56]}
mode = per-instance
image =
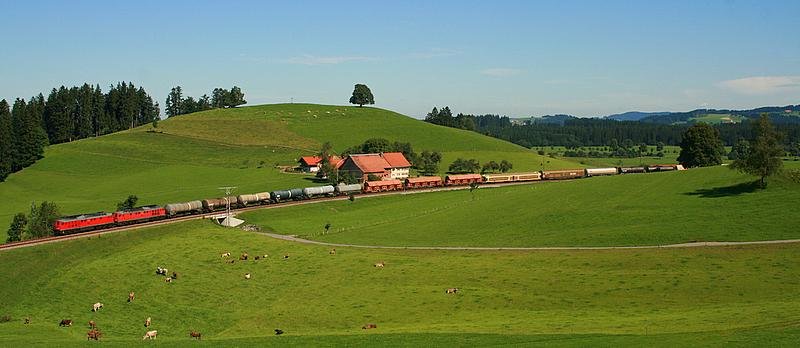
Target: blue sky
{"type": "Point", "coordinates": [517, 58]}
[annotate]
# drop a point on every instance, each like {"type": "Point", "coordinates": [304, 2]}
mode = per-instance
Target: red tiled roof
{"type": "Point", "coordinates": [313, 161]}
{"type": "Point", "coordinates": [370, 163]}
{"type": "Point", "coordinates": [396, 159]}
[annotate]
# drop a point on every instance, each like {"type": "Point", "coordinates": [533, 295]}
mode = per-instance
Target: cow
{"type": "Point", "coordinates": [247, 276]}
{"type": "Point", "coordinates": [92, 324]}
{"type": "Point", "coordinates": [278, 332]}
{"type": "Point", "coordinates": [243, 257]}
{"type": "Point", "coordinates": [257, 258]}
{"type": "Point", "coordinates": [93, 334]}
{"type": "Point", "coordinates": [333, 251]}
{"type": "Point", "coordinates": [65, 323]}
{"type": "Point", "coordinates": [286, 257]}
{"type": "Point", "coordinates": [230, 261]}
{"type": "Point", "coordinates": [226, 255]}
{"type": "Point", "coordinates": [147, 322]}
{"type": "Point", "coordinates": [369, 326]}
{"type": "Point", "coordinates": [380, 264]}
{"type": "Point", "coordinates": [27, 320]}
{"type": "Point", "coordinates": [168, 279]}
{"type": "Point", "coordinates": [265, 256]}
{"type": "Point", "coordinates": [150, 335]}
{"type": "Point", "coordinates": [194, 334]}
{"type": "Point", "coordinates": [131, 296]}
{"type": "Point", "coordinates": [174, 275]}
{"type": "Point", "coordinates": [160, 270]}
{"type": "Point", "coordinates": [96, 307]}
{"type": "Point", "coordinates": [451, 291]}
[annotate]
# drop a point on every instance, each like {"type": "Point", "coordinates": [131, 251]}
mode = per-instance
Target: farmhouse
{"type": "Point", "coordinates": [311, 164]}
{"type": "Point", "coordinates": [386, 166]}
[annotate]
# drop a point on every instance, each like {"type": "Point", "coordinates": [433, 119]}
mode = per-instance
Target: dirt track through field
{"type": "Point", "coordinates": [680, 245]}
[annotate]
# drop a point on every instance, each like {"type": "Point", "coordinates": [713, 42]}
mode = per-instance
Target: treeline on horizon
{"type": "Point", "coordinates": [68, 114]}
{"type": "Point", "coordinates": [578, 132]}
{"type": "Point", "coordinates": [177, 104]}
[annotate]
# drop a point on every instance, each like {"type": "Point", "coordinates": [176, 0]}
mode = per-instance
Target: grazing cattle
{"type": "Point", "coordinates": [150, 335]}
{"type": "Point", "coordinates": [369, 326]}
{"type": "Point", "coordinates": [92, 324]}
{"type": "Point", "coordinates": [380, 264]}
{"type": "Point", "coordinates": [27, 320]}
{"type": "Point", "coordinates": [451, 291]}
{"type": "Point", "coordinates": [247, 276]}
{"type": "Point", "coordinates": [257, 258]}
{"type": "Point", "coordinates": [174, 275]}
{"type": "Point", "coordinates": [230, 261]}
{"type": "Point", "coordinates": [194, 334]}
{"type": "Point", "coordinates": [243, 257]}
{"type": "Point", "coordinates": [131, 296]}
{"type": "Point", "coordinates": [65, 322]}
{"type": "Point", "coordinates": [147, 322]}
{"type": "Point", "coordinates": [93, 334]}
{"type": "Point", "coordinates": [96, 307]}
{"type": "Point", "coordinates": [265, 256]}
{"type": "Point", "coordinates": [226, 255]}
{"type": "Point", "coordinates": [333, 251]}
{"type": "Point", "coordinates": [168, 279]}
{"type": "Point", "coordinates": [286, 257]}
{"type": "Point", "coordinates": [278, 332]}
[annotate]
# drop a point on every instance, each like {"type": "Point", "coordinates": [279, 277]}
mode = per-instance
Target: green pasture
{"type": "Point", "coordinates": [656, 297]}
{"type": "Point", "coordinates": [718, 118]}
{"type": "Point", "coordinates": [192, 155]}
{"type": "Point", "coordinates": [707, 204]}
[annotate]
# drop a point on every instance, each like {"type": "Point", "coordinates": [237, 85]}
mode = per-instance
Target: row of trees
{"type": "Point", "coordinates": [461, 166]}
{"type": "Point", "coordinates": [177, 104]}
{"type": "Point", "coordinates": [68, 114]}
{"type": "Point", "coordinates": [37, 224]}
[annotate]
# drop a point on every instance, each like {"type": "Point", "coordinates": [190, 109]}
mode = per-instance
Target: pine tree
{"type": "Point", "coordinates": [17, 228]}
{"type": "Point", "coordinates": [174, 102]}
{"type": "Point", "coordinates": [236, 97]}
{"type": "Point", "coordinates": [6, 146]}
{"type": "Point", "coordinates": [219, 98]}
{"type": "Point", "coordinates": [29, 139]}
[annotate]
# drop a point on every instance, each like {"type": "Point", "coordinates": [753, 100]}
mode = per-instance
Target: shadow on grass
{"type": "Point", "coordinates": [727, 191]}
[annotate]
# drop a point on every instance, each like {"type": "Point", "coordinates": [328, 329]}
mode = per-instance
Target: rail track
{"type": "Point", "coordinates": [53, 239]}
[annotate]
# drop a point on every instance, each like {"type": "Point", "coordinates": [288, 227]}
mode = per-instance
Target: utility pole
{"type": "Point", "coordinates": [228, 190]}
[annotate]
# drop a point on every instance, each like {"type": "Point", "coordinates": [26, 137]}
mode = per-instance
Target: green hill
{"type": "Point", "coordinates": [666, 297]}
{"type": "Point", "coordinates": [195, 154]}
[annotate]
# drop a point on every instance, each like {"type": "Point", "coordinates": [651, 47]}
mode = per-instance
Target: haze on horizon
{"type": "Point", "coordinates": [517, 58]}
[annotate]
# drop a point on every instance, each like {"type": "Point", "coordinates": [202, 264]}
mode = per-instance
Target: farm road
{"type": "Point", "coordinates": [680, 245]}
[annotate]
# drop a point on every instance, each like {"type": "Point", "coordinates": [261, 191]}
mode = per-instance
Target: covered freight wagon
{"type": "Point", "coordinates": [562, 174]}
{"type": "Point", "coordinates": [601, 171]}
{"type": "Point", "coordinates": [173, 209]}
{"type": "Point", "coordinates": [255, 198]}
{"type": "Point", "coordinates": [462, 179]}
{"type": "Point", "coordinates": [383, 185]}
{"type": "Point", "coordinates": [424, 181]}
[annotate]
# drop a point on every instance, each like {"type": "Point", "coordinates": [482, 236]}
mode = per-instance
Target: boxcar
{"type": "Point", "coordinates": [173, 209]}
{"type": "Point", "coordinates": [344, 189]}
{"type": "Point", "coordinates": [601, 171]}
{"type": "Point", "coordinates": [82, 222]}
{"type": "Point", "coordinates": [424, 181]}
{"type": "Point", "coordinates": [255, 198]}
{"type": "Point", "coordinates": [562, 174]}
{"type": "Point", "coordinates": [383, 185]}
{"type": "Point", "coordinates": [527, 176]}
{"type": "Point", "coordinates": [462, 179]}
{"type": "Point", "coordinates": [139, 214]}
{"type": "Point", "coordinates": [492, 178]}
{"type": "Point", "coordinates": [327, 190]}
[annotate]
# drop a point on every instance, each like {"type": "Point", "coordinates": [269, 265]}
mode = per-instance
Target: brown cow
{"type": "Point", "coordinates": [451, 291]}
{"type": "Point", "coordinates": [369, 326]}
{"type": "Point", "coordinates": [65, 322]}
{"type": "Point", "coordinates": [243, 257]}
{"type": "Point", "coordinates": [93, 334]}
{"type": "Point", "coordinates": [194, 334]}
{"type": "Point", "coordinates": [92, 324]}
{"type": "Point", "coordinates": [257, 258]}
{"type": "Point", "coordinates": [380, 264]}
{"type": "Point", "coordinates": [147, 322]}
{"type": "Point", "coordinates": [131, 296]}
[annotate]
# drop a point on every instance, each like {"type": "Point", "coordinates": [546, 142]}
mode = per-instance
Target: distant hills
{"type": "Point", "coordinates": [779, 114]}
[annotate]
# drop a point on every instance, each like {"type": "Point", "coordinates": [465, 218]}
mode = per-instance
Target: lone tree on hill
{"type": "Point", "coordinates": [763, 156]}
{"type": "Point", "coordinates": [362, 95]}
{"type": "Point", "coordinates": [701, 146]}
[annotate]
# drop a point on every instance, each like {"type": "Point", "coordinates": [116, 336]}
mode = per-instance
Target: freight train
{"type": "Point", "coordinates": [100, 220]}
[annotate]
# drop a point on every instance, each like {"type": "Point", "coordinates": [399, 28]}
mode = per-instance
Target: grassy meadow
{"type": "Point", "coordinates": [192, 155]}
{"type": "Point", "coordinates": [707, 204]}
{"type": "Point", "coordinates": [700, 296]}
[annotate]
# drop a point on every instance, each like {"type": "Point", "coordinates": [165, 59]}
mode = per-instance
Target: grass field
{"type": "Point", "coordinates": [718, 118]}
{"type": "Point", "coordinates": [701, 296]}
{"type": "Point", "coordinates": [708, 204]}
{"type": "Point", "coordinates": [200, 152]}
